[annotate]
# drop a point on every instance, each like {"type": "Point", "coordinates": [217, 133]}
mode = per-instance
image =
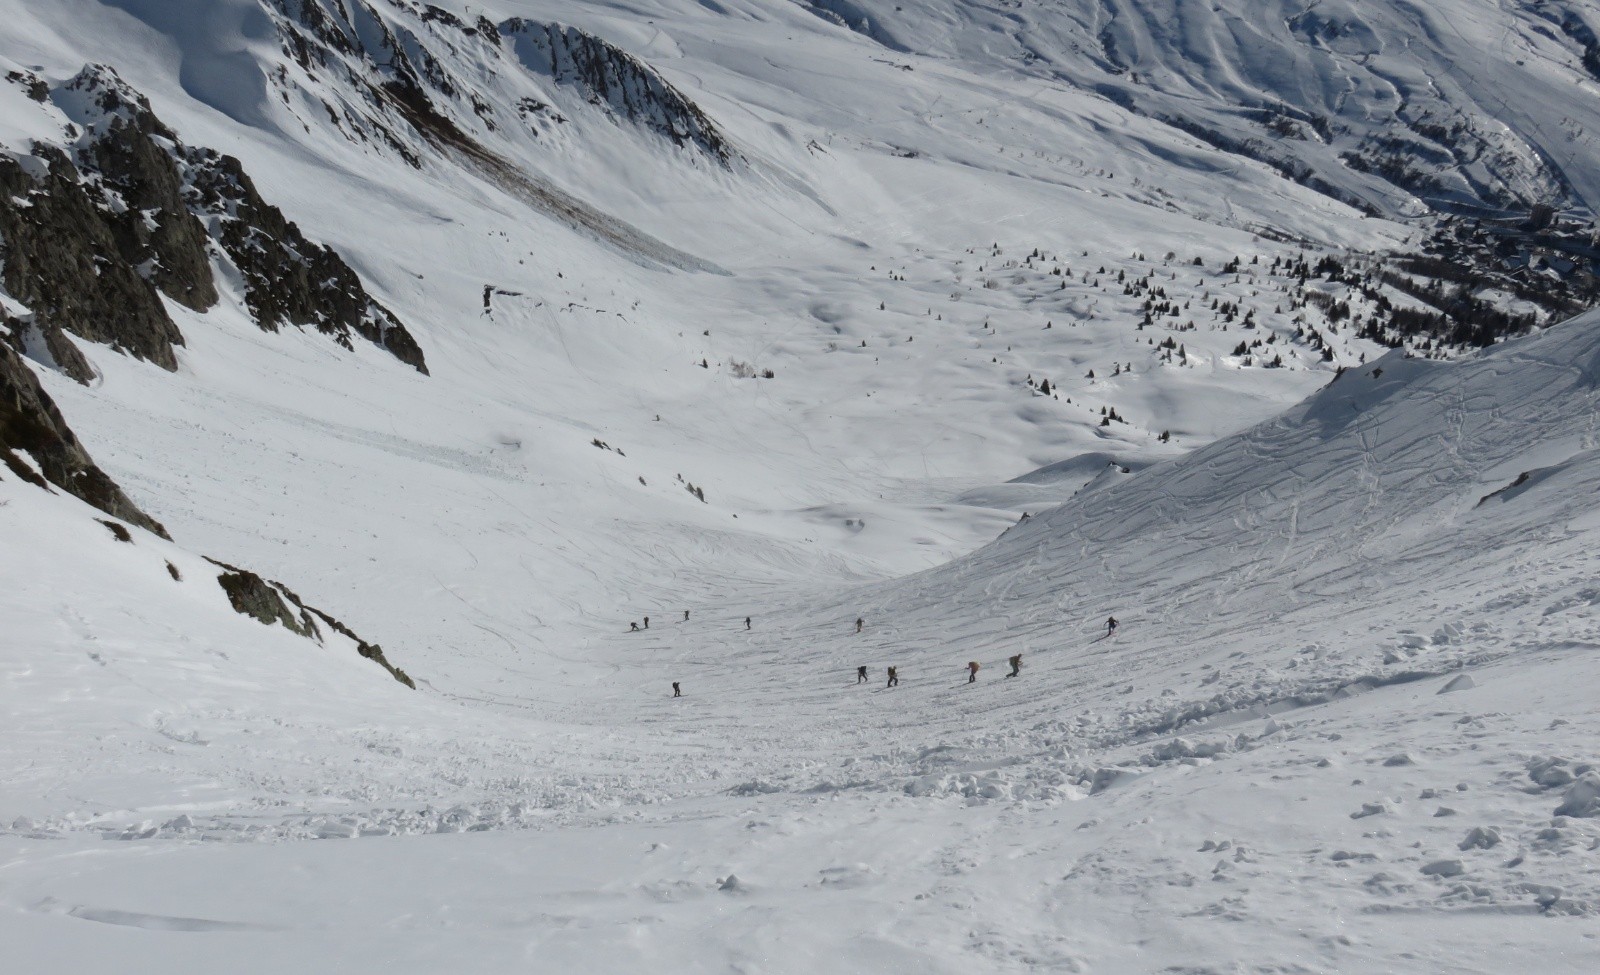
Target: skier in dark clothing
{"type": "Point", "coordinates": [972, 672]}
{"type": "Point", "coordinates": [861, 674]}
{"type": "Point", "coordinates": [686, 616]}
{"type": "Point", "coordinates": [1016, 664]}
{"type": "Point", "coordinates": [647, 622]}
{"type": "Point", "coordinates": [633, 626]}
{"type": "Point", "coordinates": [747, 622]}
{"type": "Point", "coordinates": [859, 623]}
{"type": "Point", "coordinates": [894, 678]}
{"type": "Point", "coordinates": [676, 690]}
{"type": "Point", "coordinates": [1111, 626]}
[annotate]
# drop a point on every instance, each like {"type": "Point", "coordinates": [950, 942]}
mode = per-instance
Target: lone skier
{"type": "Point", "coordinates": [676, 690]}
{"type": "Point", "coordinates": [859, 623]}
{"type": "Point", "coordinates": [972, 672]}
{"type": "Point", "coordinates": [747, 622]}
{"type": "Point", "coordinates": [647, 622]}
{"type": "Point", "coordinates": [686, 616]}
{"type": "Point", "coordinates": [894, 678]}
{"type": "Point", "coordinates": [1111, 626]}
{"type": "Point", "coordinates": [1016, 664]}
{"type": "Point", "coordinates": [861, 674]}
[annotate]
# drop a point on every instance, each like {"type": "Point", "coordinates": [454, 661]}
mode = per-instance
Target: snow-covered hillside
{"type": "Point", "coordinates": [1389, 105]}
{"type": "Point", "coordinates": [494, 330]}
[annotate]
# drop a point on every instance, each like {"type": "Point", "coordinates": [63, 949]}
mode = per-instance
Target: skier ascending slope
{"type": "Point", "coordinates": [1111, 626]}
{"type": "Point", "coordinates": [747, 622]}
{"type": "Point", "coordinates": [894, 678]}
{"type": "Point", "coordinates": [859, 623]}
{"type": "Point", "coordinates": [861, 674]}
{"type": "Point", "coordinates": [676, 690]}
{"type": "Point", "coordinates": [972, 672]}
{"type": "Point", "coordinates": [1016, 664]}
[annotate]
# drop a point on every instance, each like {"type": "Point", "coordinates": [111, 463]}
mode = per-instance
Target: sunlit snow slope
{"type": "Point", "coordinates": [997, 260]}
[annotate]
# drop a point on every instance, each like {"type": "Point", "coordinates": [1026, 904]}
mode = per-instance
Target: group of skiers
{"type": "Point", "coordinates": [634, 627]}
{"type": "Point", "coordinates": [1015, 660]}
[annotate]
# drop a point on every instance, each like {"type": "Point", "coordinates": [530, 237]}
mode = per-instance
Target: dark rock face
{"type": "Point", "coordinates": [62, 259]}
{"type": "Point", "coordinates": [36, 87]}
{"type": "Point", "coordinates": [31, 424]}
{"type": "Point", "coordinates": [272, 602]}
{"type": "Point", "coordinates": [90, 240]}
{"type": "Point", "coordinates": [288, 279]}
{"type": "Point", "coordinates": [141, 172]}
{"type": "Point", "coordinates": [254, 596]}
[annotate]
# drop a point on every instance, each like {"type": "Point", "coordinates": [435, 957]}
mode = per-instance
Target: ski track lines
{"type": "Point", "coordinates": [1253, 774]}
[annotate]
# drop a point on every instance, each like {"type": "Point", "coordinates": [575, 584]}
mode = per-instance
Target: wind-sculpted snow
{"type": "Point", "coordinates": [1398, 470]}
{"type": "Point", "coordinates": [1403, 491]}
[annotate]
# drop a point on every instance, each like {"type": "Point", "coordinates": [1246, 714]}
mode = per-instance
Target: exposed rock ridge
{"type": "Point", "coordinates": [128, 153]}
{"type": "Point", "coordinates": [63, 261]}
{"type": "Point", "coordinates": [371, 47]}
{"type": "Point", "coordinates": [289, 280]}
{"type": "Point", "coordinates": [273, 602]}
{"type": "Point", "coordinates": [38, 447]}
{"type": "Point", "coordinates": [609, 76]}
{"type": "Point", "coordinates": [92, 235]}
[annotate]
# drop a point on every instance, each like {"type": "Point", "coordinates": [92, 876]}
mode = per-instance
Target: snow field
{"type": "Point", "coordinates": [1293, 599]}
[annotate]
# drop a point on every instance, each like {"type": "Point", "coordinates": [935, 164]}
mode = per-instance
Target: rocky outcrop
{"type": "Point", "coordinates": [253, 596]}
{"type": "Point", "coordinates": [95, 236]}
{"type": "Point", "coordinates": [272, 602]}
{"type": "Point", "coordinates": [37, 446]}
{"type": "Point", "coordinates": [62, 260]}
{"type": "Point", "coordinates": [289, 280]}
{"type": "Point", "coordinates": [371, 651]}
{"type": "Point", "coordinates": [610, 77]}
{"type": "Point", "coordinates": [377, 48]}
{"type": "Point", "coordinates": [131, 154]}
{"type": "Point", "coordinates": [91, 237]}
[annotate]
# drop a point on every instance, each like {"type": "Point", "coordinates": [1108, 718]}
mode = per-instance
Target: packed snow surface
{"type": "Point", "coordinates": [1347, 722]}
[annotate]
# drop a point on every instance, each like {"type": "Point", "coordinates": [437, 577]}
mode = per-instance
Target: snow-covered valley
{"type": "Point", "coordinates": [737, 322]}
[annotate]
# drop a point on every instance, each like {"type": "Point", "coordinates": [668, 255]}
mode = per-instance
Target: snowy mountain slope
{"type": "Point", "coordinates": [1391, 498]}
{"type": "Point", "coordinates": [1339, 797]}
{"type": "Point", "coordinates": [913, 241]}
{"type": "Point", "coordinates": [801, 308]}
{"type": "Point", "coordinates": [129, 638]}
{"type": "Point", "coordinates": [1484, 105]}
{"type": "Point", "coordinates": [1401, 473]}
